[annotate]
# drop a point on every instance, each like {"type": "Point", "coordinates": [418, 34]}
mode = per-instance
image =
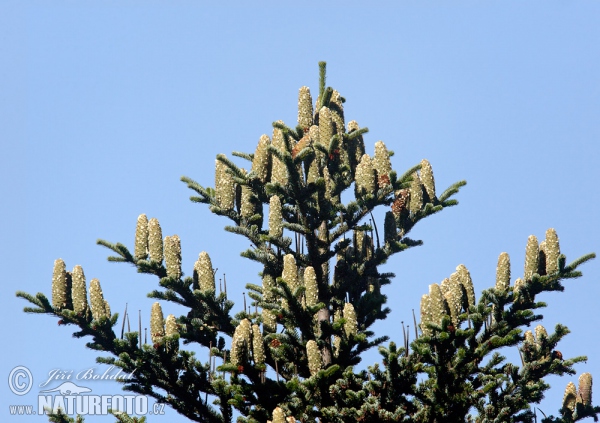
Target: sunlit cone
{"type": "Point", "coordinates": [427, 179]}
{"type": "Point", "coordinates": [365, 176]}
{"type": "Point", "coordinates": [224, 186]}
{"type": "Point", "coordinates": [465, 279]}
{"type": "Point", "coordinates": [416, 194]}
{"type": "Point", "coordinates": [519, 285]}
{"type": "Point", "coordinates": [290, 272]}
{"type": "Point", "coordinates": [381, 161]}
{"type": "Point", "coordinates": [275, 218]}
{"type": "Point", "coordinates": [171, 328]}
{"type": "Point", "coordinates": [279, 172]}
{"type": "Point", "coordinates": [552, 251]}
{"type": "Point", "coordinates": [141, 238]}
{"type": "Point", "coordinates": [454, 297]}
{"type": "Point", "coordinates": [97, 302]}
{"type": "Point", "coordinates": [157, 323]}
{"type": "Point", "coordinates": [325, 127]}
{"type": "Point", "coordinates": [439, 307]}
{"type": "Point", "coordinates": [107, 312]}
{"type": "Point", "coordinates": [351, 325]}
{"type": "Point", "coordinates": [79, 291]}
{"type": "Point", "coordinates": [204, 275]}
{"type": "Point", "coordinates": [426, 316]}
{"type": "Point", "coordinates": [269, 321]}
{"type": "Point", "coordinates": [532, 253]}
{"type": "Point", "coordinates": [585, 389]}
{"type": "Point", "coordinates": [312, 290]}
{"type": "Point", "coordinates": [540, 335]}
{"type": "Point", "coordinates": [173, 256]}
{"type": "Point", "coordinates": [261, 163]}
{"type": "Point", "coordinates": [59, 285]}
{"type": "Point", "coordinates": [155, 240]}
{"type": "Point", "coordinates": [390, 230]}
{"type": "Point", "coordinates": [315, 361]}
{"type": "Point", "coordinates": [503, 272]}
{"type": "Point", "coordinates": [570, 397]}
{"type": "Point", "coordinates": [278, 416]}
{"type": "Point", "coordinates": [305, 108]}
{"type": "Point", "coordinates": [241, 342]}
{"type": "Point", "coordinates": [313, 171]}
{"type": "Point", "coordinates": [268, 283]}
{"type": "Point", "coordinates": [258, 347]}
{"type": "Point", "coordinates": [529, 338]}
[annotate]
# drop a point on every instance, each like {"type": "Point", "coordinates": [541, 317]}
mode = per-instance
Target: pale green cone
{"type": "Point", "coordinates": [171, 327]}
{"type": "Point", "coordinates": [529, 338]}
{"type": "Point", "coordinates": [241, 342]}
{"type": "Point", "coordinates": [426, 316]}
{"type": "Point", "coordinates": [224, 186]}
{"type": "Point", "coordinates": [261, 163]}
{"type": "Point", "coordinates": [305, 108]}
{"type": "Point", "coordinates": [312, 289]}
{"type": "Point", "coordinates": [365, 176]}
{"type": "Point", "coordinates": [503, 272]}
{"type": "Point", "coordinates": [570, 397]}
{"type": "Point", "coordinates": [173, 256]}
{"type": "Point", "coordinates": [439, 307]}
{"type": "Point", "coordinates": [97, 302]}
{"type": "Point", "coordinates": [325, 127]}
{"type": "Point", "coordinates": [59, 284]}
{"type": "Point", "coordinates": [315, 361]}
{"type": "Point", "coordinates": [540, 332]}
{"type": "Point", "coordinates": [416, 194]}
{"type": "Point", "coordinates": [390, 230]}
{"type": "Point", "coordinates": [107, 312]}
{"type": "Point", "coordinates": [269, 321]}
{"type": "Point", "coordinates": [532, 253]}
{"type": "Point", "coordinates": [268, 283]}
{"type": "Point", "coordinates": [155, 240]}
{"type": "Point", "coordinates": [427, 179]}
{"type": "Point", "coordinates": [465, 279]}
{"type": "Point", "coordinates": [203, 273]}
{"type": "Point", "coordinates": [454, 297]}
{"type": "Point", "coordinates": [141, 238]}
{"type": "Point", "coordinates": [275, 218]}
{"type": "Point", "coordinates": [552, 251]}
{"type": "Point", "coordinates": [585, 389]}
{"type": "Point", "coordinates": [79, 291]}
{"type": "Point", "coordinates": [258, 347]}
{"type": "Point", "coordinates": [519, 284]}
{"type": "Point", "coordinates": [290, 272]}
{"type": "Point", "coordinates": [351, 325]}
{"type": "Point", "coordinates": [382, 164]}
{"type": "Point", "coordinates": [157, 324]}
{"type": "Point", "coordinates": [279, 172]}
{"type": "Point", "coordinates": [278, 416]}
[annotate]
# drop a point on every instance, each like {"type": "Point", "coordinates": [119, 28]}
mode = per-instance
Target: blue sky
{"type": "Point", "coordinates": [105, 106]}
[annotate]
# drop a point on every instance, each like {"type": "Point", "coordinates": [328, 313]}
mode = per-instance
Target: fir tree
{"type": "Point", "coordinates": [293, 354]}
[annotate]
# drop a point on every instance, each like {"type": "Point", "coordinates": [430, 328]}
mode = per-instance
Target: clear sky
{"type": "Point", "coordinates": [105, 105]}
